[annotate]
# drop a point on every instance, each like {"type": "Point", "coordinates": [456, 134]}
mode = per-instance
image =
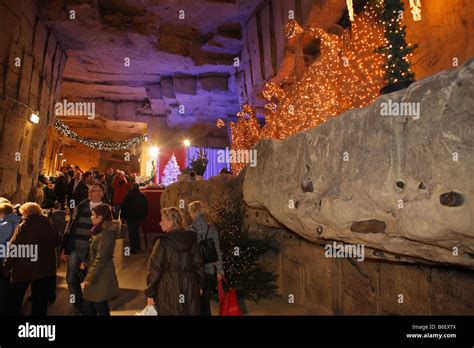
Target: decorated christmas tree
{"type": "Point", "coordinates": [241, 254]}
{"type": "Point", "coordinates": [171, 171]}
{"type": "Point", "coordinates": [396, 49]}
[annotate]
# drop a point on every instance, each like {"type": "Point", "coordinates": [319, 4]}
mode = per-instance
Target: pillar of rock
{"type": "Point", "coordinates": [30, 78]}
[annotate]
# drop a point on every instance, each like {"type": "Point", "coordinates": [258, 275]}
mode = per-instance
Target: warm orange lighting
{"type": "Point", "coordinates": [154, 151]}
{"type": "Point", "coordinates": [348, 74]}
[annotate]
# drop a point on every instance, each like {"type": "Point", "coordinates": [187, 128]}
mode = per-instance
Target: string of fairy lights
{"type": "Point", "coordinates": [100, 144]}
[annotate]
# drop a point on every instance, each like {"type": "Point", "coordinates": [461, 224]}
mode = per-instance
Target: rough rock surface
{"type": "Point", "coordinates": [398, 184]}
{"type": "Point", "coordinates": [215, 191]}
{"type": "Point", "coordinates": [32, 64]}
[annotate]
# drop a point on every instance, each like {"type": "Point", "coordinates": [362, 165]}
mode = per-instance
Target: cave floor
{"type": "Point", "coordinates": [131, 274]}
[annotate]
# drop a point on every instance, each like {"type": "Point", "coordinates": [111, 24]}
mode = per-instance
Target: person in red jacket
{"type": "Point", "coordinates": [121, 186]}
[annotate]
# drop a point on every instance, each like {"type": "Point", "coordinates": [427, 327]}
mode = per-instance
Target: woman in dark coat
{"type": "Point", "coordinates": [176, 270]}
{"type": "Point", "coordinates": [100, 283]}
{"type": "Point", "coordinates": [39, 269]}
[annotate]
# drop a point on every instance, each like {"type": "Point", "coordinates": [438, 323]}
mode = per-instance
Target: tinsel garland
{"type": "Point", "coordinates": [99, 144]}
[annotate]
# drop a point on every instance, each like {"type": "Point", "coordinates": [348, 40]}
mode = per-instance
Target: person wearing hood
{"type": "Point", "coordinates": [100, 284]}
{"type": "Point", "coordinates": [175, 270]}
{"type": "Point", "coordinates": [214, 270]}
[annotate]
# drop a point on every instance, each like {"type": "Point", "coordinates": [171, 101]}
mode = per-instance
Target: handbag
{"type": "Point", "coordinates": [208, 249]}
{"type": "Point", "coordinates": [228, 305]}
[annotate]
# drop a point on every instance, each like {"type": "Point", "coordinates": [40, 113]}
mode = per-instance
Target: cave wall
{"type": "Point", "coordinates": [35, 82]}
{"type": "Point", "coordinates": [342, 286]}
{"type": "Point", "coordinates": [398, 183]}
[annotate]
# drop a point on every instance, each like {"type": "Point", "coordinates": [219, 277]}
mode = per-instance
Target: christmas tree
{"type": "Point", "coordinates": [396, 49]}
{"type": "Point", "coordinates": [241, 253]}
{"type": "Point", "coordinates": [171, 171]}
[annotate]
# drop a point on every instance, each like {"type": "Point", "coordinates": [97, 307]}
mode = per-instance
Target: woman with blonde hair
{"type": "Point", "coordinates": [206, 230]}
{"type": "Point", "coordinates": [176, 270]}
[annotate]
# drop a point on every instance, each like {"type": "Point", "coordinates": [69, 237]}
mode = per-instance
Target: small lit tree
{"type": "Point", "coordinates": [171, 171]}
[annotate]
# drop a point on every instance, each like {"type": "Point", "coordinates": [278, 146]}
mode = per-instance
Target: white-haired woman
{"type": "Point", "coordinates": [214, 270]}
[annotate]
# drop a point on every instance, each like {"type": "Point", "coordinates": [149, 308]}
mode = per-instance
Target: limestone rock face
{"type": "Point", "coordinates": [216, 191]}
{"type": "Point", "coordinates": [395, 183]}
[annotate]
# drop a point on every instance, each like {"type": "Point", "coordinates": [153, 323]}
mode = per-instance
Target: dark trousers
{"type": "Point", "coordinates": [62, 200]}
{"type": "Point", "coordinates": [134, 234]}
{"type": "Point", "coordinates": [73, 278]}
{"type": "Point", "coordinates": [211, 282]}
{"type": "Point", "coordinates": [4, 294]}
{"type": "Point", "coordinates": [40, 294]}
{"type": "Point", "coordinates": [96, 308]}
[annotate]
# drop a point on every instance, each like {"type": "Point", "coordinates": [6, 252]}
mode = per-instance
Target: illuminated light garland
{"type": "Point", "coordinates": [220, 123]}
{"type": "Point", "coordinates": [99, 144]}
{"type": "Point", "coordinates": [415, 6]}
{"type": "Point", "coordinates": [340, 79]}
{"type": "Point", "coordinates": [292, 29]}
{"type": "Point", "coordinates": [350, 9]}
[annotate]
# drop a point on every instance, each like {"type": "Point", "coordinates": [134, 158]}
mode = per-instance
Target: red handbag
{"type": "Point", "coordinates": [228, 305]}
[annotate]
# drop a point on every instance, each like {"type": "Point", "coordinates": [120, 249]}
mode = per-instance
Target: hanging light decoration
{"type": "Point", "coordinates": [350, 9]}
{"type": "Point", "coordinates": [415, 6]}
{"type": "Point", "coordinates": [99, 144]}
{"type": "Point", "coordinates": [220, 123]}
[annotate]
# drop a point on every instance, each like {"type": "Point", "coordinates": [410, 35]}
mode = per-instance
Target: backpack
{"type": "Point", "coordinates": [208, 249]}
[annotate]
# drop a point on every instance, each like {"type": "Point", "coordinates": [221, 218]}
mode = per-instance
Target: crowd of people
{"type": "Point", "coordinates": [77, 220]}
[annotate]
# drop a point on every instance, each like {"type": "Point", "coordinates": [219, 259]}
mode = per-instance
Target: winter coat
{"type": "Point", "coordinates": [121, 187]}
{"type": "Point", "coordinates": [199, 226]}
{"type": "Point", "coordinates": [134, 206]}
{"type": "Point", "coordinates": [36, 230]}
{"type": "Point", "coordinates": [61, 186]}
{"type": "Point", "coordinates": [176, 273]}
{"type": "Point", "coordinates": [79, 194]}
{"type": "Point", "coordinates": [100, 265]}
{"type": "Point", "coordinates": [70, 231]}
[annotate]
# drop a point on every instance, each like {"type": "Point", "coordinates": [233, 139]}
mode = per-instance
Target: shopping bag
{"type": "Point", "coordinates": [228, 305]}
{"type": "Point", "coordinates": [149, 310]}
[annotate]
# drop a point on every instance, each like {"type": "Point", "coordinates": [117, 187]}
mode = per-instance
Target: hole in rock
{"type": "Point", "coordinates": [400, 184]}
{"type": "Point", "coordinates": [422, 186]}
{"type": "Point", "coordinates": [451, 199]}
{"type": "Point", "coordinates": [307, 185]}
{"type": "Point", "coordinates": [369, 226]}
